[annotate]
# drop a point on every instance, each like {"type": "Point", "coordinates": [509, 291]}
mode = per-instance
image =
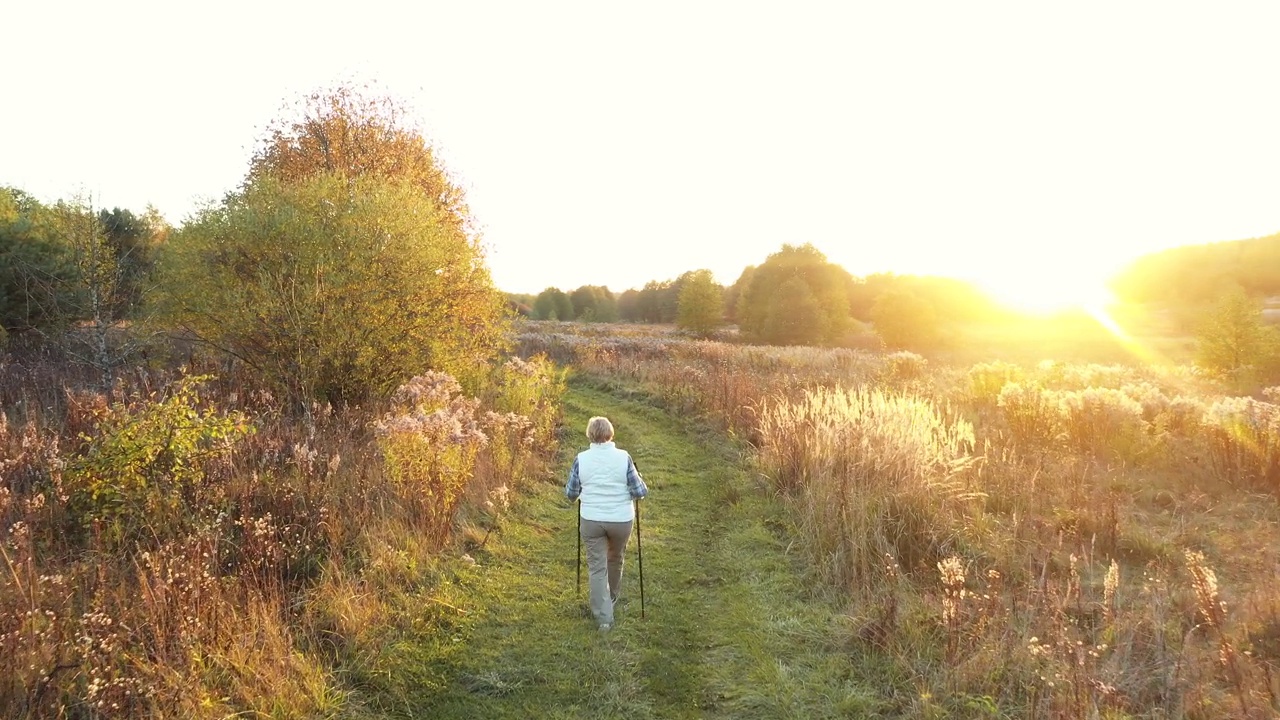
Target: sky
{"type": "Point", "coordinates": [1032, 147]}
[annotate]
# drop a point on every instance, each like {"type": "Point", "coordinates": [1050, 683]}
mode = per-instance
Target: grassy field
{"type": "Point", "coordinates": [733, 626]}
{"type": "Point", "coordinates": [1040, 538]}
{"type": "Point", "coordinates": [832, 533]}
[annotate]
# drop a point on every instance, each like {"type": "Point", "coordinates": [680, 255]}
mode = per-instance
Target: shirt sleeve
{"type": "Point", "coordinates": [574, 488]}
{"type": "Point", "coordinates": [635, 483]}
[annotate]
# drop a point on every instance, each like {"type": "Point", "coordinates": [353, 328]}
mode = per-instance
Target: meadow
{"type": "Point", "coordinates": [1059, 539]}
{"type": "Point", "coordinates": [873, 533]}
{"type": "Point", "coordinates": [180, 546]}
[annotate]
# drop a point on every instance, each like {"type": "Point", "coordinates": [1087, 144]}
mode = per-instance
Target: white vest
{"type": "Point", "coordinates": [603, 472]}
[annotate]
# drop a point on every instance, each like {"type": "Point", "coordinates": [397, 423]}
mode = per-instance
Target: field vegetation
{"type": "Point", "coordinates": [1058, 539]}
{"type": "Point", "coordinates": [282, 461]}
{"type": "Point", "coordinates": [232, 453]}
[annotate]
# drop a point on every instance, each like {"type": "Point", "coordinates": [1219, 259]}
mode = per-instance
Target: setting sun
{"type": "Point", "coordinates": [1051, 288]}
{"type": "Point", "coordinates": [1039, 295]}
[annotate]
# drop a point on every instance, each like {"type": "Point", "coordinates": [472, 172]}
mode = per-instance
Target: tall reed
{"type": "Point", "coordinates": [871, 473]}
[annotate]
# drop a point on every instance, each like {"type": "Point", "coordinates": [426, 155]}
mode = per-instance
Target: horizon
{"type": "Point", "coordinates": [1033, 151]}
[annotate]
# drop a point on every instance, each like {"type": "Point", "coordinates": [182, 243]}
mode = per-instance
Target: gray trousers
{"type": "Point", "coordinates": [605, 542]}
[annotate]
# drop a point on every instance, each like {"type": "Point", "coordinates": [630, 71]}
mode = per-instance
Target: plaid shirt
{"type": "Point", "coordinates": [635, 484]}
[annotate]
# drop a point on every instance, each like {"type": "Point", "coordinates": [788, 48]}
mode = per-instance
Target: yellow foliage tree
{"type": "Point", "coordinates": [352, 132]}
{"type": "Point", "coordinates": [333, 287]}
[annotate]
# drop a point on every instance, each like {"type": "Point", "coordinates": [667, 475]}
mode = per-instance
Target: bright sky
{"type": "Point", "coordinates": [1024, 144]}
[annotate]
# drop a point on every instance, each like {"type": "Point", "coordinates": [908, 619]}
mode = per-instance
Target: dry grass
{"type": "Point", "coordinates": [184, 548]}
{"type": "Point", "coordinates": [1056, 540]}
{"type": "Point", "coordinates": [871, 474]}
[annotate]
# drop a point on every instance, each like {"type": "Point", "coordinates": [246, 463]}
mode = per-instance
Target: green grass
{"type": "Point", "coordinates": [731, 629]}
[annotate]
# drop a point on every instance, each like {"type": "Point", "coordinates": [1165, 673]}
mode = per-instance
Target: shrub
{"type": "Point", "coordinates": [1101, 421]}
{"type": "Point", "coordinates": [333, 288]}
{"type": "Point", "coordinates": [143, 474]}
{"type": "Point", "coordinates": [1244, 436]}
{"type": "Point", "coordinates": [986, 380]}
{"type": "Point", "coordinates": [1235, 343]}
{"type": "Point", "coordinates": [1077, 376]}
{"type": "Point", "coordinates": [1030, 412]}
{"type": "Point", "coordinates": [905, 366]}
{"type": "Point", "coordinates": [905, 320]}
{"type": "Point", "coordinates": [429, 445]}
{"type": "Point", "coordinates": [1151, 398]}
{"type": "Point", "coordinates": [531, 388]}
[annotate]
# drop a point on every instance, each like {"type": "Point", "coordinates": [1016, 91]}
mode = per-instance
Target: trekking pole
{"type": "Point", "coordinates": [579, 548]}
{"type": "Point", "coordinates": [640, 556]}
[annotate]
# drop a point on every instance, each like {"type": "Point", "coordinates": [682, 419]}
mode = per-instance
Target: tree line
{"type": "Point", "coordinates": [1197, 274]}
{"type": "Point", "coordinates": [795, 297]}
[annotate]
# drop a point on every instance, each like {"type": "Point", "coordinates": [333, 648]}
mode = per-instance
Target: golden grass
{"type": "Point", "coordinates": [278, 557]}
{"type": "Point", "coordinates": [1027, 539]}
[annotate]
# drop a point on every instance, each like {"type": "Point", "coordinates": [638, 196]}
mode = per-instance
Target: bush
{"type": "Point", "coordinates": [429, 445]}
{"type": "Point", "coordinates": [1235, 344]}
{"type": "Point", "coordinates": [143, 474]}
{"type": "Point", "coordinates": [1245, 441]}
{"type": "Point", "coordinates": [334, 288]}
{"type": "Point", "coordinates": [1101, 421]}
{"type": "Point", "coordinates": [986, 380]}
{"type": "Point", "coordinates": [905, 366]}
{"type": "Point", "coordinates": [905, 320]}
{"type": "Point", "coordinates": [531, 388]}
{"type": "Point", "coordinates": [1030, 412]}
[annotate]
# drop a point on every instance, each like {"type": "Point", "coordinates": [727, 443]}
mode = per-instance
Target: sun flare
{"type": "Point", "coordinates": [1041, 294]}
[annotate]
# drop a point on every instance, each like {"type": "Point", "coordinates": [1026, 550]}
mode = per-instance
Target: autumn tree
{"type": "Point", "coordinates": [1233, 341]}
{"type": "Point", "coordinates": [629, 305]}
{"type": "Point", "coordinates": [344, 264]}
{"type": "Point", "coordinates": [353, 132]}
{"type": "Point", "coordinates": [904, 320]}
{"type": "Point", "coordinates": [552, 304]}
{"type": "Point", "coordinates": [132, 240]}
{"type": "Point", "coordinates": [768, 313]}
{"type": "Point", "coordinates": [657, 301]}
{"type": "Point", "coordinates": [97, 292]}
{"type": "Point", "coordinates": [520, 303]}
{"type": "Point", "coordinates": [795, 317]}
{"type": "Point", "coordinates": [733, 295]}
{"type": "Point", "coordinates": [701, 303]}
{"type": "Point", "coordinates": [71, 277]}
{"type": "Point", "coordinates": [334, 287]}
{"type": "Point", "coordinates": [1192, 276]}
{"type": "Point", "coordinates": [594, 303]}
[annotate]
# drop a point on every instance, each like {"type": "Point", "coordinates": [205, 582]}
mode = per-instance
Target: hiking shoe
{"type": "Point", "coordinates": [604, 627]}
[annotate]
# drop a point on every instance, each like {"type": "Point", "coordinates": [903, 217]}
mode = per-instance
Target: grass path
{"type": "Point", "coordinates": [728, 631]}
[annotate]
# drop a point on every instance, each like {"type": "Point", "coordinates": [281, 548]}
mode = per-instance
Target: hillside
{"type": "Point", "coordinates": [1197, 273]}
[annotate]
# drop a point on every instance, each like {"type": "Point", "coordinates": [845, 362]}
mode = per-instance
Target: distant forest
{"type": "Point", "coordinates": [1182, 277]}
{"type": "Point", "coordinates": [658, 300]}
{"type": "Point", "coordinates": [1196, 274]}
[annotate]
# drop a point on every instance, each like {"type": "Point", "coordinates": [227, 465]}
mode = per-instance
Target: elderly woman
{"type": "Point", "coordinates": [606, 481]}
